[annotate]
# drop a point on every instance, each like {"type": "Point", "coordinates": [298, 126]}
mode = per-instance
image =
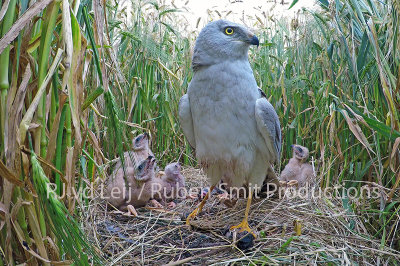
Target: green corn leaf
{"type": "Point", "coordinates": [63, 225]}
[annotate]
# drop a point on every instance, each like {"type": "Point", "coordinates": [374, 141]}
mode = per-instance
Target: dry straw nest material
{"type": "Point", "coordinates": [328, 233]}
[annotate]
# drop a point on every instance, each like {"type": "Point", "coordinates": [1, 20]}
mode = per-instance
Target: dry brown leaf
{"type": "Point", "coordinates": [26, 120]}
{"type": "Point", "coordinates": [393, 154]}
{"type": "Point", "coordinates": [70, 177]}
{"type": "Point", "coordinates": [76, 90]}
{"type": "Point", "coordinates": [62, 263]}
{"type": "Point", "coordinates": [25, 164]}
{"type": "Point", "coordinates": [396, 184]}
{"type": "Point", "coordinates": [51, 148]}
{"type": "Point", "coordinates": [98, 35]}
{"type": "Point", "coordinates": [45, 163]}
{"type": "Point", "coordinates": [3, 212]}
{"type": "Point", "coordinates": [96, 146]}
{"type": "Point", "coordinates": [20, 236]}
{"type": "Point", "coordinates": [358, 117]}
{"type": "Point", "coordinates": [75, 93]}
{"type": "Point", "coordinates": [385, 82]}
{"type": "Point", "coordinates": [4, 9]}
{"type": "Point", "coordinates": [355, 128]}
{"type": "Point", "coordinates": [7, 195]}
{"type": "Point", "coordinates": [322, 148]}
{"type": "Point", "coordinates": [9, 175]}
{"type": "Point", "coordinates": [53, 248]}
{"type": "Point", "coordinates": [21, 22]}
{"type": "Point", "coordinates": [338, 147]}
{"type": "Point", "coordinates": [33, 126]}
{"type": "Point", "coordinates": [15, 106]}
{"type": "Point", "coordinates": [33, 222]}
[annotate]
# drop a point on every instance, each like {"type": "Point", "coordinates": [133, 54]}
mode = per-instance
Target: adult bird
{"type": "Point", "coordinates": [224, 116]}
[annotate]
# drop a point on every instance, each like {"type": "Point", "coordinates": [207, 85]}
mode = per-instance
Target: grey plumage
{"type": "Point", "coordinates": [234, 129]}
{"type": "Point", "coordinates": [269, 126]}
{"type": "Point", "coordinates": [185, 118]}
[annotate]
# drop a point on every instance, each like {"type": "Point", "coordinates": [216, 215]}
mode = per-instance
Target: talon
{"type": "Point", "coordinates": [293, 183]}
{"type": "Point", "coordinates": [192, 215]}
{"type": "Point", "coordinates": [200, 207]}
{"type": "Point", "coordinates": [243, 226]}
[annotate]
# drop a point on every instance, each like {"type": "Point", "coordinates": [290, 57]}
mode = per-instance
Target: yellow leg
{"type": "Point", "coordinates": [244, 225]}
{"type": "Point", "coordinates": [200, 207]}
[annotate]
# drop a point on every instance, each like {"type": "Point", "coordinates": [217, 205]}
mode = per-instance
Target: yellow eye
{"type": "Point", "coordinates": [229, 31]}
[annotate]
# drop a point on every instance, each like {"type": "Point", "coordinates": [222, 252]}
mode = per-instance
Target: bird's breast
{"type": "Point", "coordinates": [222, 101]}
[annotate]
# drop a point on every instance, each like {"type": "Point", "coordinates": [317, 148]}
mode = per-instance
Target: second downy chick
{"type": "Point", "coordinates": [297, 171]}
{"type": "Point", "coordinates": [139, 190]}
{"type": "Point", "coordinates": [145, 187]}
{"type": "Point", "coordinates": [173, 182]}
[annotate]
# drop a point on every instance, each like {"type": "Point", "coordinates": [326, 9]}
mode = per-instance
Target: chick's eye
{"type": "Point", "coordinates": [228, 31]}
{"type": "Point", "coordinates": [141, 167]}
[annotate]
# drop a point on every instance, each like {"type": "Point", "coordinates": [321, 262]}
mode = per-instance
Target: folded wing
{"type": "Point", "coordinates": [269, 127]}
{"type": "Point", "coordinates": [185, 118]}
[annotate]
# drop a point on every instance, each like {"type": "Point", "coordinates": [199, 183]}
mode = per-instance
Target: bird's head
{"type": "Point", "coordinates": [173, 171]}
{"type": "Point", "coordinates": [300, 152]}
{"type": "Point", "coordinates": [222, 40]}
{"type": "Point", "coordinates": [145, 169]}
{"type": "Point", "coordinates": [141, 142]}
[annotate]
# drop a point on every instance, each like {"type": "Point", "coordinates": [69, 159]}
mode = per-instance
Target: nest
{"type": "Point", "coordinates": [290, 230]}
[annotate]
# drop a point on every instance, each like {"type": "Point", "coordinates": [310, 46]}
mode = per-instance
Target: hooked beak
{"type": "Point", "coordinates": [146, 135]}
{"type": "Point", "coordinates": [254, 40]}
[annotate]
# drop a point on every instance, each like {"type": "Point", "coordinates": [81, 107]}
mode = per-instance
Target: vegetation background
{"type": "Point", "coordinates": [78, 82]}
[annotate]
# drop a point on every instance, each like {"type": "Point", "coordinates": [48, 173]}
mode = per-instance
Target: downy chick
{"type": "Point", "coordinates": [141, 151]}
{"type": "Point", "coordinates": [139, 190]}
{"type": "Point", "coordinates": [173, 183]}
{"type": "Point", "coordinates": [297, 171]}
{"type": "Point", "coordinates": [147, 184]}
